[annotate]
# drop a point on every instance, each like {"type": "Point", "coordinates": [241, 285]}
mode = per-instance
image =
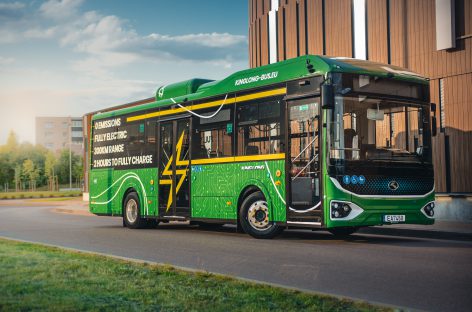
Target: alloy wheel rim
{"type": "Point", "coordinates": [132, 210]}
{"type": "Point", "coordinates": [258, 215]}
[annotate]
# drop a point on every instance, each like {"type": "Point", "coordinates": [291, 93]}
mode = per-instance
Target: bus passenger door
{"type": "Point", "coordinates": [174, 188]}
{"type": "Point", "coordinates": [304, 174]}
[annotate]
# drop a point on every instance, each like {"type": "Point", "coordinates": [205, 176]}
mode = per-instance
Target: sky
{"type": "Point", "coordinates": [71, 57]}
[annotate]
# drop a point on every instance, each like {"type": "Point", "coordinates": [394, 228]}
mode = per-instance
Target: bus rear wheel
{"type": "Point", "coordinates": [131, 212]}
{"type": "Point", "coordinates": [254, 215]}
{"type": "Point", "coordinates": [344, 231]}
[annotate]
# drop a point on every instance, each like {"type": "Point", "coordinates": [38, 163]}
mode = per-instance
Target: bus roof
{"type": "Point", "coordinates": [303, 66]}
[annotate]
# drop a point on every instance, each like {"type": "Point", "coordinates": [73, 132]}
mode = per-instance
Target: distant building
{"type": "Point", "coordinates": [57, 133]}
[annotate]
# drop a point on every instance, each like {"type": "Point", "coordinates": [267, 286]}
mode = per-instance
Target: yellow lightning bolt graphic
{"type": "Point", "coordinates": [181, 172]}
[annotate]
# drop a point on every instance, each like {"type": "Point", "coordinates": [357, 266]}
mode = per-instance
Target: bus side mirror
{"type": "Point", "coordinates": [327, 96]}
{"type": "Point", "coordinates": [434, 126]}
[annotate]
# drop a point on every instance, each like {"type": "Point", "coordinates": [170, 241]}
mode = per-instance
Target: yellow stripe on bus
{"type": "Point", "coordinates": [206, 161]}
{"type": "Point", "coordinates": [242, 98]}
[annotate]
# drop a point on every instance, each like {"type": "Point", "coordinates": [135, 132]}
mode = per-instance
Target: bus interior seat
{"type": "Point", "coordinates": [215, 154]}
{"type": "Point", "coordinates": [349, 135]}
{"type": "Point", "coordinates": [201, 152]}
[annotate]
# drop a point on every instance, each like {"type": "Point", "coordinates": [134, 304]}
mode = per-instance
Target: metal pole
{"type": "Point", "coordinates": [70, 154]}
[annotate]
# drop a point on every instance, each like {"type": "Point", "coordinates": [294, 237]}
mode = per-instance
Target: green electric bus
{"type": "Point", "coordinates": [311, 142]}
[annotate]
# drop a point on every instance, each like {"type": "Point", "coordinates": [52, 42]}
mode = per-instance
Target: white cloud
{"type": "Point", "coordinates": [6, 60]}
{"type": "Point", "coordinates": [103, 34]}
{"type": "Point", "coordinates": [215, 40]}
{"type": "Point", "coordinates": [11, 10]}
{"type": "Point", "coordinates": [12, 6]}
{"type": "Point", "coordinates": [41, 33]}
{"type": "Point", "coordinates": [60, 9]}
{"type": "Point", "coordinates": [98, 61]}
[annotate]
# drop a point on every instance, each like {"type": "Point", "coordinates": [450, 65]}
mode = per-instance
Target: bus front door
{"type": "Point", "coordinates": [174, 188]}
{"type": "Point", "coordinates": [304, 198]}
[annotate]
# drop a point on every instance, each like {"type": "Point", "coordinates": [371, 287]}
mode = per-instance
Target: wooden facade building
{"type": "Point", "coordinates": [430, 37]}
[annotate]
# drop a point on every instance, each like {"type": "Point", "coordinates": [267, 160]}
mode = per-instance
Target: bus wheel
{"type": "Point", "coordinates": [343, 231]}
{"type": "Point", "coordinates": [131, 212]}
{"type": "Point", "coordinates": [254, 215]}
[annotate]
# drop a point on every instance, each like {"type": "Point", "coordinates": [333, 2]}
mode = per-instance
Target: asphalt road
{"type": "Point", "coordinates": [433, 274]}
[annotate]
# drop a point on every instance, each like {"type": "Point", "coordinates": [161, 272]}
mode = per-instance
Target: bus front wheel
{"type": "Point", "coordinates": [254, 215]}
{"type": "Point", "coordinates": [131, 212]}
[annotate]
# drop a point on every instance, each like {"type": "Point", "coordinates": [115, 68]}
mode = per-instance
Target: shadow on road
{"type": "Point", "coordinates": [418, 233]}
{"type": "Point", "coordinates": [372, 235]}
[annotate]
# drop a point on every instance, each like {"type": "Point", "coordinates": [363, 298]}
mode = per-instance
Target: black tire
{"type": "Point", "coordinates": [254, 217]}
{"type": "Point", "coordinates": [343, 231]}
{"type": "Point", "coordinates": [132, 212]}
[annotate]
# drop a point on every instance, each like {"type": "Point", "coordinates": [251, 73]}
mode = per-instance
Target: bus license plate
{"type": "Point", "coordinates": [394, 218]}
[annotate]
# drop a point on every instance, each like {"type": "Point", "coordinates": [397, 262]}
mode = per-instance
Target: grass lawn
{"type": "Point", "coordinates": [38, 194]}
{"type": "Point", "coordinates": [35, 277]}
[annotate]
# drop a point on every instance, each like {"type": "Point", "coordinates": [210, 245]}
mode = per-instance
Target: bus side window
{"type": "Point", "coordinates": [213, 137]}
{"type": "Point", "coordinates": [151, 132]}
{"type": "Point", "coordinates": [259, 128]}
{"type": "Point", "coordinates": [135, 136]}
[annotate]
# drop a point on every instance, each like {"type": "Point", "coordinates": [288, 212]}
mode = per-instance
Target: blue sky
{"type": "Point", "coordinates": [70, 57]}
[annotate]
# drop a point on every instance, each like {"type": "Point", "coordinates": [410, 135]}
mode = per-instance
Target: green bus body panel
{"type": "Point", "coordinates": [108, 187]}
{"type": "Point", "coordinates": [286, 70]}
{"type": "Point", "coordinates": [214, 186]}
{"type": "Point", "coordinates": [215, 195]}
{"type": "Point", "coordinates": [180, 88]}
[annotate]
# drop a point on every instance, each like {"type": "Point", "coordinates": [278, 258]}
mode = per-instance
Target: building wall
{"type": "Point", "coordinates": [56, 133]}
{"type": "Point", "coordinates": [398, 32]}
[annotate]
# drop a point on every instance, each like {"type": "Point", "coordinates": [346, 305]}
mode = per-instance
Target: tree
{"type": "Point", "coordinates": [50, 164]}
{"type": "Point", "coordinates": [12, 141]}
{"type": "Point", "coordinates": [63, 167]}
{"type": "Point", "coordinates": [4, 169]}
{"type": "Point", "coordinates": [31, 173]}
{"type": "Point", "coordinates": [18, 178]}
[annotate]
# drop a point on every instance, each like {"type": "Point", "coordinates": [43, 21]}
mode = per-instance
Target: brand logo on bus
{"type": "Point", "coordinates": [160, 93]}
{"type": "Point", "coordinates": [256, 78]}
{"type": "Point", "coordinates": [393, 185]}
{"type": "Point", "coordinates": [258, 167]}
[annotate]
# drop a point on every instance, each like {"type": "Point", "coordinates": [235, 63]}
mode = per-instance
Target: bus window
{"type": "Point", "coordinates": [135, 136]}
{"type": "Point", "coordinates": [259, 128]}
{"type": "Point", "coordinates": [151, 132]}
{"type": "Point", "coordinates": [213, 137]}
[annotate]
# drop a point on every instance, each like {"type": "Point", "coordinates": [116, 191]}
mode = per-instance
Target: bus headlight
{"type": "Point", "coordinates": [341, 210]}
{"type": "Point", "coordinates": [428, 210]}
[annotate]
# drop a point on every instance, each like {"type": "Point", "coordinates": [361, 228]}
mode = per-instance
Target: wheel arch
{"type": "Point", "coordinates": [250, 188]}
{"type": "Point", "coordinates": [125, 194]}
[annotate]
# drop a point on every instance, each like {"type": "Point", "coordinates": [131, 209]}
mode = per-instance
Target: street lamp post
{"type": "Point", "coordinates": [70, 154]}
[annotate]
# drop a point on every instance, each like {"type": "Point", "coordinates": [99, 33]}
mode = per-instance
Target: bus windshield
{"type": "Point", "coordinates": [368, 128]}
